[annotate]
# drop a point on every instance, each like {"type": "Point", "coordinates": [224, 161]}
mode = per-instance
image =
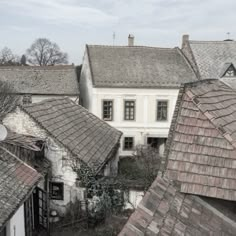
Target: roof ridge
{"type": "Point", "coordinates": [226, 135]}
{"type": "Point", "coordinates": [43, 101]}
{"type": "Point", "coordinates": [211, 41]}
{"type": "Point", "coordinates": [57, 67]}
{"type": "Point", "coordinates": [187, 61]}
{"type": "Point", "coordinates": [126, 46]}
{"type": "Point", "coordinates": [197, 82]}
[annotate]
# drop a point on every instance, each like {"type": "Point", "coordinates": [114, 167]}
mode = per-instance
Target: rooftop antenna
{"type": "Point", "coordinates": [114, 37]}
{"type": "Point", "coordinates": [3, 132]}
{"type": "Point", "coordinates": [228, 33]}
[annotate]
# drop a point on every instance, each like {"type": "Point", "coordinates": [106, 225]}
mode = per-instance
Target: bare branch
{"type": "Point", "coordinates": [43, 52]}
{"type": "Point", "coordinates": [7, 58]}
{"type": "Point", "coordinates": [8, 99]}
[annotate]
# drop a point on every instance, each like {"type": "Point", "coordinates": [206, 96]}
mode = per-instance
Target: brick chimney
{"type": "Point", "coordinates": [185, 39]}
{"type": "Point", "coordinates": [130, 40]}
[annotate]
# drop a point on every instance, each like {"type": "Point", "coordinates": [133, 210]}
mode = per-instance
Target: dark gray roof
{"type": "Point", "coordinates": [166, 211]}
{"type": "Point", "coordinates": [45, 80]}
{"type": "Point", "coordinates": [138, 67]}
{"type": "Point", "coordinates": [202, 148]}
{"type": "Point", "coordinates": [82, 133]}
{"type": "Point", "coordinates": [17, 182]}
{"type": "Point", "coordinates": [212, 56]}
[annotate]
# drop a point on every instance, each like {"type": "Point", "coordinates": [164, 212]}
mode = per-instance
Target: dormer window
{"type": "Point", "coordinates": [230, 72]}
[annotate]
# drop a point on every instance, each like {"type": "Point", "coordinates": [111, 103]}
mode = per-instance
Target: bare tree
{"type": "Point", "coordinates": [8, 99]}
{"type": "Point", "coordinates": [43, 52]}
{"type": "Point", "coordinates": [7, 58]}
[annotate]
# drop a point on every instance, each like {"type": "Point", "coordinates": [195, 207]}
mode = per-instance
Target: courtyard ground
{"type": "Point", "coordinates": [111, 227]}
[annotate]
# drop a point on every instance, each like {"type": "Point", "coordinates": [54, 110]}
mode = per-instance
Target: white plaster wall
{"type": "Point", "coordinates": [85, 84]}
{"type": "Point", "coordinates": [145, 125]}
{"type": "Point", "coordinates": [19, 122]}
{"type": "Point", "coordinates": [132, 199]}
{"type": "Point", "coordinates": [62, 172]}
{"type": "Point", "coordinates": [16, 225]}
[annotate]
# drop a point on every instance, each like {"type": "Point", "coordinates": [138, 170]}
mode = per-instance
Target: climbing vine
{"type": "Point", "coordinates": [103, 197]}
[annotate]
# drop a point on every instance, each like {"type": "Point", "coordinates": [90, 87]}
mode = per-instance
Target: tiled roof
{"type": "Point", "coordinates": [166, 211]}
{"type": "Point", "coordinates": [211, 56]}
{"type": "Point", "coordinates": [138, 67]}
{"type": "Point", "coordinates": [202, 148]}
{"type": "Point", "coordinates": [28, 149]}
{"type": "Point", "coordinates": [50, 80]}
{"type": "Point", "coordinates": [17, 181]}
{"type": "Point", "coordinates": [79, 131]}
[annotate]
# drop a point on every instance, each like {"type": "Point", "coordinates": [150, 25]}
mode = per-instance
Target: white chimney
{"type": "Point", "coordinates": [185, 39]}
{"type": "Point", "coordinates": [130, 40]}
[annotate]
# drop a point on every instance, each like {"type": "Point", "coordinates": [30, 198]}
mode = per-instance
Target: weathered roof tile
{"type": "Point", "coordinates": [202, 147]}
{"type": "Point", "coordinates": [83, 134]}
{"type": "Point", "coordinates": [178, 214]}
{"type": "Point", "coordinates": [41, 80]}
{"type": "Point", "coordinates": [138, 67]}
{"type": "Point", "coordinates": [17, 181]}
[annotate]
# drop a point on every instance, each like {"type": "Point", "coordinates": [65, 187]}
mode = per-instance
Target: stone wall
{"type": "Point", "coordinates": [18, 121]}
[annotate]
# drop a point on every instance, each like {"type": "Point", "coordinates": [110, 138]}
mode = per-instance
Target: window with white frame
{"type": "Point", "coordinates": [129, 110]}
{"type": "Point", "coordinates": [128, 143]}
{"type": "Point", "coordinates": [162, 110]}
{"type": "Point", "coordinates": [107, 110]}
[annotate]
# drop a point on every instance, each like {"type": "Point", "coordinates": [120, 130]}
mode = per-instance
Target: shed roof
{"type": "Point", "coordinates": [45, 80]}
{"type": "Point", "coordinates": [201, 151]}
{"type": "Point", "coordinates": [166, 211]}
{"type": "Point", "coordinates": [138, 67]}
{"type": "Point", "coordinates": [24, 141]}
{"type": "Point", "coordinates": [212, 56]}
{"type": "Point", "coordinates": [17, 181]}
{"type": "Point", "coordinates": [79, 131]}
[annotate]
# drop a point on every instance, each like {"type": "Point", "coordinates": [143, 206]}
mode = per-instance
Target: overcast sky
{"type": "Point", "coordinates": [74, 23]}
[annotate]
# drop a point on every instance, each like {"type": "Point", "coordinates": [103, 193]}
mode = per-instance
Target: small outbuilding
{"type": "Point", "coordinates": [74, 138]}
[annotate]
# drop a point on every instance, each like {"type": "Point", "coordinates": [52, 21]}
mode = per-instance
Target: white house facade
{"type": "Point", "coordinates": [143, 127]}
{"type": "Point", "coordinates": [134, 89]}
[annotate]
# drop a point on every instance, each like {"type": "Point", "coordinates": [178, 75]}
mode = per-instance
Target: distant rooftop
{"type": "Point", "coordinates": [45, 80]}
{"type": "Point", "coordinates": [138, 67]}
{"type": "Point", "coordinates": [211, 57]}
